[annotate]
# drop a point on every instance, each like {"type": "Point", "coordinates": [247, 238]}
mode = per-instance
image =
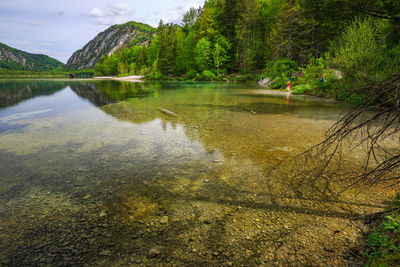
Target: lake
{"type": "Point", "coordinates": [115, 174]}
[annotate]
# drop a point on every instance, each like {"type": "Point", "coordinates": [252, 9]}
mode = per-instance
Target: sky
{"type": "Point", "coordinates": [58, 28]}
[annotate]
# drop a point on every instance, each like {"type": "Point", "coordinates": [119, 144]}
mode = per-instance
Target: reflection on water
{"type": "Point", "coordinates": [13, 92]}
{"type": "Point", "coordinates": [96, 173]}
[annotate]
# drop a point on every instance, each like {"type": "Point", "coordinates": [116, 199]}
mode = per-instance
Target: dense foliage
{"type": "Point", "coordinates": [14, 59]}
{"type": "Point", "coordinates": [322, 45]}
{"type": "Point", "coordinates": [383, 247]}
{"type": "Point", "coordinates": [137, 25]}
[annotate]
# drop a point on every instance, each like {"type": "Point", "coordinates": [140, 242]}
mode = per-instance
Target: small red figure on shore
{"type": "Point", "coordinates": [289, 87]}
{"type": "Point", "coordinates": [289, 91]}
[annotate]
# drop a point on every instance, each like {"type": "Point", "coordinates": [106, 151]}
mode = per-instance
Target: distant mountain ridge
{"type": "Point", "coordinates": [106, 42]}
{"type": "Point", "coordinates": [14, 59]}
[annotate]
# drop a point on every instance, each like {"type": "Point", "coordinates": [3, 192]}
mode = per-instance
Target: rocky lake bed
{"type": "Point", "coordinates": [110, 180]}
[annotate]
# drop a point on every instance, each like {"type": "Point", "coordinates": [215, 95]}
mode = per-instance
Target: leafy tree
{"type": "Point", "coordinates": [180, 60]}
{"type": "Point", "coordinates": [285, 68]}
{"type": "Point", "coordinates": [359, 55]}
{"type": "Point", "coordinates": [153, 51]}
{"type": "Point", "coordinates": [100, 68]}
{"type": "Point", "coordinates": [142, 56]}
{"type": "Point", "coordinates": [220, 53]}
{"type": "Point", "coordinates": [112, 63]}
{"type": "Point", "coordinates": [209, 24]}
{"type": "Point", "coordinates": [189, 50]}
{"type": "Point", "coordinates": [190, 17]}
{"type": "Point", "coordinates": [203, 54]}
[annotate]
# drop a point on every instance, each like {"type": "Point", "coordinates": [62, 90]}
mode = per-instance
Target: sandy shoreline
{"type": "Point", "coordinates": [133, 78]}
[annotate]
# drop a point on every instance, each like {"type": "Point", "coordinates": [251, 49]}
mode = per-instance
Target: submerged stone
{"type": "Point", "coordinates": [155, 252]}
{"type": "Point", "coordinates": [164, 220]}
{"type": "Point", "coordinates": [105, 253]}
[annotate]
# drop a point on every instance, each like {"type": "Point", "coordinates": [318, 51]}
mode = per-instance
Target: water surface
{"type": "Point", "coordinates": [96, 173]}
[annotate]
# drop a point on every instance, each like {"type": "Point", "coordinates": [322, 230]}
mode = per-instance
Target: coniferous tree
{"type": "Point", "coordinates": [189, 51]}
{"type": "Point", "coordinates": [166, 50]}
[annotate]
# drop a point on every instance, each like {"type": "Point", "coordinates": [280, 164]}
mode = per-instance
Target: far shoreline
{"type": "Point", "coordinates": [132, 78]}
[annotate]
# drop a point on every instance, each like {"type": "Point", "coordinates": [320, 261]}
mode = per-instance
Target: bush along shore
{"type": "Point", "coordinates": [383, 246]}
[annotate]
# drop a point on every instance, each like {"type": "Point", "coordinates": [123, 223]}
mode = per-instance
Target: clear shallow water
{"type": "Point", "coordinates": [89, 170]}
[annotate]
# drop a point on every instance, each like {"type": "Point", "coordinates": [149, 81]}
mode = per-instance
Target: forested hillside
{"type": "Point", "coordinates": [106, 42]}
{"type": "Point", "coordinates": [14, 59]}
{"type": "Point", "coordinates": [356, 41]}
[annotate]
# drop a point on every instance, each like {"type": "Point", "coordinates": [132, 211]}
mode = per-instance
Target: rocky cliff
{"type": "Point", "coordinates": [106, 42]}
{"type": "Point", "coordinates": [14, 59]}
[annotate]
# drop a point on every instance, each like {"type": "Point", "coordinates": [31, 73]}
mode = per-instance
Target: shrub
{"type": "Point", "coordinates": [206, 76]}
{"type": "Point", "coordinates": [301, 89]}
{"type": "Point", "coordinates": [279, 72]}
{"type": "Point", "coordinates": [355, 99]}
{"type": "Point", "coordinates": [155, 75]}
{"type": "Point", "coordinates": [144, 71]}
{"type": "Point", "coordinates": [312, 72]}
{"type": "Point", "coordinates": [383, 243]}
{"type": "Point", "coordinates": [359, 55]}
{"type": "Point", "coordinates": [285, 68]}
{"type": "Point", "coordinates": [268, 71]}
{"type": "Point", "coordinates": [279, 83]}
{"type": "Point", "coordinates": [191, 74]}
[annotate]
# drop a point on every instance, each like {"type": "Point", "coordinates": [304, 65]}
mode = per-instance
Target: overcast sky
{"type": "Point", "coordinates": [58, 28]}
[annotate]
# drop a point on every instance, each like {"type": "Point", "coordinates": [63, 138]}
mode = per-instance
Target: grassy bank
{"type": "Point", "coordinates": [45, 74]}
{"type": "Point", "coordinates": [383, 247]}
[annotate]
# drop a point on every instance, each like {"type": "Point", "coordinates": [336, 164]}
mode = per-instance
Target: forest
{"type": "Point", "coordinates": [326, 47]}
{"type": "Point", "coordinates": [12, 59]}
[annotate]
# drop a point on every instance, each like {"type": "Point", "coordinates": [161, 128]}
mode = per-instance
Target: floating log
{"type": "Point", "coordinates": [167, 112]}
{"type": "Point", "coordinates": [252, 112]}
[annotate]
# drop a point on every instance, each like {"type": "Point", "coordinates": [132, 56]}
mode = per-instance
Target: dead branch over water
{"type": "Point", "coordinates": [373, 126]}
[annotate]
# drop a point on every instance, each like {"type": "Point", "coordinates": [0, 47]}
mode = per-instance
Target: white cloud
{"type": "Point", "coordinates": [112, 14]}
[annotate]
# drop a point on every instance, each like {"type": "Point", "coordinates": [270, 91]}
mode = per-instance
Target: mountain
{"type": "Point", "coordinates": [14, 59]}
{"type": "Point", "coordinates": [106, 42]}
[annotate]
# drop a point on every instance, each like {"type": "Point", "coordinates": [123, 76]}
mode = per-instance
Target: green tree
{"type": "Point", "coordinates": [190, 17]}
{"type": "Point", "coordinates": [210, 24]}
{"type": "Point", "coordinates": [153, 51]}
{"type": "Point", "coordinates": [229, 18]}
{"type": "Point", "coordinates": [203, 54]}
{"type": "Point", "coordinates": [250, 34]}
{"type": "Point", "coordinates": [180, 60]}
{"type": "Point", "coordinates": [359, 55]}
{"type": "Point", "coordinates": [112, 63]}
{"type": "Point", "coordinates": [220, 53]}
{"type": "Point", "coordinates": [142, 57]}
{"type": "Point", "coordinates": [189, 50]}
{"type": "Point", "coordinates": [100, 68]}
{"type": "Point", "coordinates": [166, 50]}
